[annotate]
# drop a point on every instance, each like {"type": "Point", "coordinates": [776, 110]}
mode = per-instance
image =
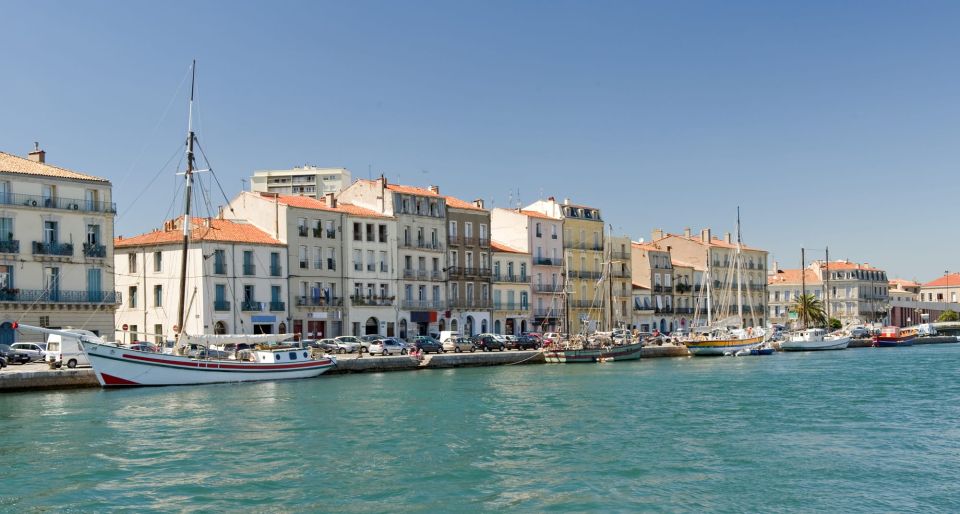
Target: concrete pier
{"type": "Point", "coordinates": [37, 376]}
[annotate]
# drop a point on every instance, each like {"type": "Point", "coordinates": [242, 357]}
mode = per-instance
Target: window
{"type": "Point", "coordinates": [158, 296]}
{"type": "Point", "coordinates": [220, 293]}
{"type": "Point", "coordinates": [483, 232]}
{"type": "Point", "coordinates": [303, 257]}
{"type": "Point", "coordinates": [357, 232]}
{"type": "Point", "coordinates": [49, 193]}
{"type": "Point", "coordinates": [538, 231]}
{"type": "Point", "coordinates": [370, 235]}
{"type": "Point", "coordinates": [93, 233]}
{"type": "Point", "coordinates": [158, 334]}
{"type": "Point", "coordinates": [318, 259]}
{"type": "Point", "coordinates": [219, 262]}
{"type": "Point", "coordinates": [523, 272]}
{"type": "Point", "coordinates": [383, 262]}
{"type": "Point", "coordinates": [467, 229]}
{"type": "Point", "coordinates": [50, 232]}
{"type": "Point", "coordinates": [275, 294]}
{"type": "Point", "coordinates": [157, 262]}
{"type": "Point", "coordinates": [383, 233]}
{"type": "Point", "coordinates": [132, 297]}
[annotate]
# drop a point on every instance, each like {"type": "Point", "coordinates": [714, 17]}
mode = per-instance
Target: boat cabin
{"type": "Point", "coordinates": [282, 355]}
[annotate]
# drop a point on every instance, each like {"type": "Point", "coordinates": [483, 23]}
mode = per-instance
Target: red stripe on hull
{"type": "Point", "coordinates": [111, 380]}
{"type": "Point", "coordinates": [220, 366]}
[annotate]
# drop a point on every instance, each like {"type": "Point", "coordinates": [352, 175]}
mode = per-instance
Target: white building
{"type": "Point", "coordinates": [511, 290]}
{"type": "Point", "coordinates": [301, 180]}
{"type": "Point", "coordinates": [235, 280]}
{"type": "Point", "coordinates": [56, 246]}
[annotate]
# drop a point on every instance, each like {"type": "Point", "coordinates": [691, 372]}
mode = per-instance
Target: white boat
{"type": "Point", "coordinates": [813, 339]}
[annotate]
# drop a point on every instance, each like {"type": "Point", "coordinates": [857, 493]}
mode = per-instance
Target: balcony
{"type": "Point", "coordinates": [10, 246]}
{"type": "Point", "coordinates": [548, 288]}
{"type": "Point", "coordinates": [587, 274]}
{"type": "Point", "coordinates": [221, 305]}
{"type": "Point", "coordinates": [422, 245]}
{"type": "Point", "coordinates": [249, 269]}
{"type": "Point", "coordinates": [317, 232]}
{"type": "Point", "coordinates": [60, 249]}
{"type": "Point", "coordinates": [516, 279]}
{"type": "Point", "coordinates": [548, 313]}
{"type": "Point", "coordinates": [436, 276]}
{"type": "Point", "coordinates": [67, 204]}
{"type": "Point", "coordinates": [94, 250]}
{"type": "Point", "coordinates": [469, 303]}
{"type": "Point", "coordinates": [642, 308]}
{"type": "Point", "coordinates": [331, 233]}
{"type": "Point", "coordinates": [684, 310]}
{"type": "Point", "coordinates": [276, 271]}
{"type": "Point", "coordinates": [454, 239]}
{"type": "Point", "coordinates": [423, 304]}
{"type": "Point", "coordinates": [319, 301]}
{"type": "Point", "coordinates": [621, 273]}
{"type": "Point", "coordinates": [373, 301]}
{"type": "Point", "coordinates": [58, 296]}
{"type": "Point", "coordinates": [620, 256]}
{"type": "Point", "coordinates": [278, 306]}
{"type": "Point", "coordinates": [249, 305]}
{"type": "Point", "coordinates": [547, 261]}
{"type": "Point", "coordinates": [219, 268]}
{"type": "Point", "coordinates": [510, 306]}
{"type": "Point", "coordinates": [582, 304]}
{"type": "Point", "coordinates": [485, 272]}
{"type": "Point", "coordinates": [664, 310]}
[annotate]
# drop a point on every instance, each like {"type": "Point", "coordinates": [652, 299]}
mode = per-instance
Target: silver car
{"type": "Point", "coordinates": [36, 351]}
{"type": "Point", "coordinates": [387, 346]}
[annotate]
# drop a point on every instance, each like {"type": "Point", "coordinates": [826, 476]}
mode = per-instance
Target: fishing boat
{"type": "Point", "coordinates": [895, 336]}
{"type": "Point", "coordinates": [589, 353]}
{"type": "Point", "coordinates": [813, 339]}
{"type": "Point", "coordinates": [726, 336]}
{"type": "Point", "coordinates": [270, 360]}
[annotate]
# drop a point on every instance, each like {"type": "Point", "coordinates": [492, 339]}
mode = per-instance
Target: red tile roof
{"type": "Point", "coordinates": [951, 280]}
{"type": "Point", "coordinates": [904, 282]}
{"type": "Point", "coordinates": [650, 247]}
{"type": "Point", "coordinates": [535, 214]}
{"type": "Point", "coordinates": [13, 164]}
{"type": "Point", "coordinates": [500, 247]}
{"type": "Point", "coordinates": [845, 265]}
{"type": "Point", "coordinates": [308, 202]}
{"type": "Point", "coordinates": [202, 229]}
{"type": "Point", "coordinates": [792, 276]}
{"type": "Point", "coordinates": [715, 241]}
{"type": "Point", "coordinates": [457, 203]}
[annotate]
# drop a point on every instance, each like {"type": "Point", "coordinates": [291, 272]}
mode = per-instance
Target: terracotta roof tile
{"type": "Point", "coordinates": [904, 282]}
{"type": "Point", "coordinates": [951, 280]}
{"type": "Point", "coordinates": [792, 276]}
{"type": "Point", "coordinates": [650, 247]}
{"type": "Point", "coordinates": [13, 164]}
{"type": "Point", "coordinates": [500, 247]}
{"type": "Point", "coordinates": [715, 241]}
{"type": "Point", "coordinates": [308, 202]}
{"type": "Point", "coordinates": [535, 214]}
{"type": "Point", "coordinates": [845, 265]}
{"type": "Point", "coordinates": [457, 203]}
{"type": "Point", "coordinates": [227, 231]}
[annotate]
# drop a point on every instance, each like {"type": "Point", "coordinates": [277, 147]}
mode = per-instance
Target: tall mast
{"type": "Point", "coordinates": [803, 288]}
{"type": "Point", "coordinates": [827, 282]}
{"type": "Point", "coordinates": [738, 264]}
{"type": "Point", "coordinates": [188, 192]}
{"type": "Point", "coordinates": [609, 253]}
{"type": "Point", "coordinates": [566, 296]}
{"type": "Point", "coordinates": [708, 280]}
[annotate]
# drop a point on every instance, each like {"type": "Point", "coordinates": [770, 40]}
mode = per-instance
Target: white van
{"type": "Point", "coordinates": [448, 334]}
{"type": "Point", "coordinates": [66, 350]}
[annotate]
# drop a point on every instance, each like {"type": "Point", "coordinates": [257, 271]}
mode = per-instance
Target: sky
{"type": "Point", "coordinates": [829, 123]}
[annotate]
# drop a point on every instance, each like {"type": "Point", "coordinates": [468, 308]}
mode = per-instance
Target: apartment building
{"type": "Point", "coordinates": [652, 268]}
{"type": "Point", "coordinates": [618, 292]}
{"type": "Point", "coordinates": [468, 266]}
{"type": "Point", "coordinates": [511, 290]}
{"type": "Point", "coordinates": [943, 289]}
{"type": "Point", "coordinates": [541, 236]}
{"type": "Point", "coordinates": [643, 309]}
{"type": "Point", "coordinates": [783, 289]}
{"type": "Point", "coordinates": [421, 221]}
{"type": "Point", "coordinates": [303, 180]}
{"type": "Point", "coordinates": [235, 282]}
{"type": "Point", "coordinates": [56, 248]}
{"type": "Point", "coordinates": [684, 299]}
{"type": "Point", "coordinates": [858, 292]}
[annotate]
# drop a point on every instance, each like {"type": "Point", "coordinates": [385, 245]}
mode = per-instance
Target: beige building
{"type": "Point", "coordinates": [653, 275]}
{"type": "Point", "coordinates": [511, 290]}
{"type": "Point", "coordinates": [468, 266]}
{"type": "Point", "coordinates": [943, 289]}
{"type": "Point", "coordinates": [858, 292]}
{"type": "Point", "coordinates": [717, 256]}
{"type": "Point", "coordinates": [643, 309]}
{"type": "Point", "coordinates": [302, 180]}
{"type": "Point", "coordinates": [684, 301]}
{"type": "Point", "coordinates": [56, 248]}
{"type": "Point", "coordinates": [783, 289]}
{"type": "Point", "coordinates": [618, 292]}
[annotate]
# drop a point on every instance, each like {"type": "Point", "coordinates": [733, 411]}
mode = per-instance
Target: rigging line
{"type": "Point", "coordinates": [214, 175]}
{"type": "Point", "coordinates": [154, 179]}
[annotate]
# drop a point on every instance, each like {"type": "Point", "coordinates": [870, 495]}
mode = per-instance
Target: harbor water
{"type": "Point", "coordinates": [867, 430]}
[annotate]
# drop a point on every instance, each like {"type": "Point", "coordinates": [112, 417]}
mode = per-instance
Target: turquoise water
{"type": "Point", "coordinates": [870, 430]}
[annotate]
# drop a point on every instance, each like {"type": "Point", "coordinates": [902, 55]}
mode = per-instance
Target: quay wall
{"type": "Point", "coordinates": [46, 379]}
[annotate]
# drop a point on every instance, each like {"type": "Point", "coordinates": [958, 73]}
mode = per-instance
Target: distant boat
{"type": "Point", "coordinates": [895, 336]}
{"type": "Point", "coordinates": [813, 339]}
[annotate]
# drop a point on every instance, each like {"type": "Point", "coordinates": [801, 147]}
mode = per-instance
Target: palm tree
{"type": "Point", "coordinates": [810, 311]}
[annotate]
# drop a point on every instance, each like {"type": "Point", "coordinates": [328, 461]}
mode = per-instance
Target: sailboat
{"type": "Point", "coordinates": [118, 366]}
{"type": "Point", "coordinates": [726, 336]}
{"type": "Point", "coordinates": [813, 339]}
{"type": "Point", "coordinates": [590, 349]}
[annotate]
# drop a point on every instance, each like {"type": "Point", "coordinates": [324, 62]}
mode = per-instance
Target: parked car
{"type": "Point", "coordinates": [458, 344]}
{"type": "Point", "coordinates": [366, 341]}
{"type": "Point", "coordinates": [522, 343]}
{"type": "Point", "coordinates": [36, 351]}
{"type": "Point", "coordinates": [12, 356]}
{"type": "Point", "coordinates": [347, 344]}
{"type": "Point", "coordinates": [427, 344]}
{"type": "Point", "coordinates": [65, 350]}
{"type": "Point", "coordinates": [550, 338]}
{"type": "Point", "coordinates": [387, 346]}
{"type": "Point", "coordinates": [326, 345]}
{"type": "Point", "coordinates": [487, 343]}
{"type": "Point", "coordinates": [859, 332]}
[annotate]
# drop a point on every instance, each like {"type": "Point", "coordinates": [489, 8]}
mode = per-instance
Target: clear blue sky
{"type": "Point", "coordinates": [832, 123]}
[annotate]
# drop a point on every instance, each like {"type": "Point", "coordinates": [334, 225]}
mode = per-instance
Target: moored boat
{"type": "Point", "coordinates": [626, 352]}
{"type": "Point", "coordinates": [721, 345]}
{"type": "Point", "coordinates": [895, 336]}
{"type": "Point", "coordinates": [813, 339]}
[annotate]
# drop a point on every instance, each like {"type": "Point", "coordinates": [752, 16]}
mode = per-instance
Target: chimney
{"type": "Point", "coordinates": [37, 155]}
{"type": "Point", "coordinates": [726, 237]}
{"type": "Point", "coordinates": [566, 201]}
{"type": "Point", "coordinates": [657, 234]}
{"type": "Point", "coordinates": [686, 232]}
{"type": "Point", "coordinates": [551, 199]}
{"type": "Point", "coordinates": [331, 200]}
{"type": "Point", "coordinates": [478, 202]}
{"type": "Point", "coordinates": [435, 189]}
{"type": "Point", "coordinates": [705, 235]}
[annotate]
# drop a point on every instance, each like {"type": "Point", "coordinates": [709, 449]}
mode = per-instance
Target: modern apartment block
{"type": "Point", "coordinates": [511, 290]}
{"type": "Point", "coordinates": [468, 266]}
{"type": "Point", "coordinates": [235, 280]}
{"type": "Point", "coordinates": [421, 220]}
{"type": "Point", "coordinates": [583, 245]}
{"type": "Point", "coordinates": [540, 235]}
{"type": "Point", "coordinates": [302, 180]}
{"type": "Point", "coordinates": [56, 248]}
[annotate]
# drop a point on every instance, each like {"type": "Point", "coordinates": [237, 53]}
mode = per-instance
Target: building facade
{"type": "Point", "coordinates": [783, 289]}
{"type": "Point", "coordinates": [943, 289]}
{"type": "Point", "coordinates": [421, 220]}
{"type": "Point", "coordinates": [618, 299]}
{"type": "Point", "coordinates": [859, 293]}
{"type": "Point", "coordinates": [468, 266]}
{"type": "Point", "coordinates": [235, 281]}
{"type": "Point", "coordinates": [653, 282]}
{"type": "Point", "coordinates": [56, 248]}
{"type": "Point", "coordinates": [541, 236]}
{"type": "Point", "coordinates": [511, 290]}
{"type": "Point", "coordinates": [643, 310]}
{"type": "Point", "coordinates": [304, 180]}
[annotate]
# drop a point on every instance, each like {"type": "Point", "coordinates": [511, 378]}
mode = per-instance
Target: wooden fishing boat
{"type": "Point", "coordinates": [626, 352]}
{"type": "Point", "coordinates": [895, 336]}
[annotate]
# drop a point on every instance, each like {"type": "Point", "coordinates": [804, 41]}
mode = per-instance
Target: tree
{"type": "Point", "coordinates": [810, 311]}
{"type": "Point", "coordinates": [949, 315]}
{"type": "Point", "coordinates": [835, 324]}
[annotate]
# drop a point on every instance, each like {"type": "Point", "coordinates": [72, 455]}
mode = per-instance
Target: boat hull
{"type": "Point", "coordinates": [811, 346]}
{"type": "Point", "coordinates": [721, 346]}
{"type": "Point", "coordinates": [117, 367]}
{"type": "Point", "coordinates": [882, 342]}
{"type": "Point", "coordinates": [626, 352]}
